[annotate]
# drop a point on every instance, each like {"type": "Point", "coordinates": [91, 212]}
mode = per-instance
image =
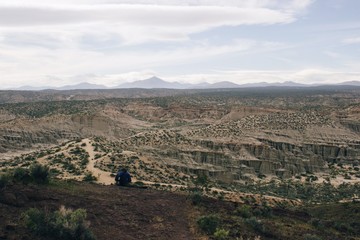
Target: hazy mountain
{"type": "Point", "coordinates": [156, 82]}
{"type": "Point", "coordinates": [289, 84]}
{"type": "Point", "coordinates": [153, 82]}
{"type": "Point", "coordinates": [31, 88]}
{"type": "Point", "coordinates": [224, 84]}
{"type": "Point", "coordinates": [83, 85]}
{"type": "Point", "coordinates": [202, 85]}
{"type": "Point", "coordinates": [276, 84]}
{"type": "Point", "coordinates": [259, 84]}
{"type": "Point", "coordinates": [352, 83]}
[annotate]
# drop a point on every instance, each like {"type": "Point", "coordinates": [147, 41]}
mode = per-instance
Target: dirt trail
{"type": "Point", "coordinates": [103, 177]}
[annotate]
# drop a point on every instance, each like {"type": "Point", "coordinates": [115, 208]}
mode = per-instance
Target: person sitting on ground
{"type": "Point", "coordinates": [123, 177]}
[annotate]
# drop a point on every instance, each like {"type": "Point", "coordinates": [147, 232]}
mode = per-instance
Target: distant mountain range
{"type": "Point", "coordinates": [350, 83]}
{"type": "Point", "coordinates": [83, 85]}
{"type": "Point", "coordinates": [155, 82]}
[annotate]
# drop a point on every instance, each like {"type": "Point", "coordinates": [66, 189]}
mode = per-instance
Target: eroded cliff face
{"type": "Point", "coordinates": [352, 125]}
{"type": "Point", "coordinates": [236, 159]}
{"type": "Point", "coordinates": [269, 157]}
{"type": "Point", "coordinates": [223, 139]}
{"type": "Point", "coordinates": [24, 132]}
{"type": "Point", "coordinates": [282, 152]}
{"type": "Point", "coordinates": [12, 139]}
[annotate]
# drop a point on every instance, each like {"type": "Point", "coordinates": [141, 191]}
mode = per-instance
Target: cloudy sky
{"type": "Point", "coordinates": [55, 43]}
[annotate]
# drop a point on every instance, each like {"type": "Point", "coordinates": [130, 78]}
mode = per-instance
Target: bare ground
{"type": "Point", "coordinates": [114, 213]}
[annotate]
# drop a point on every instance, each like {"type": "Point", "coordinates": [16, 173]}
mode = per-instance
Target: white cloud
{"type": "Point", "coordinates": [159, 15]}
{"type": "Point", "coordinates": [233, 3]}
{"type": "Point", "coordinates": [308, 76]}
{"type": "Point", "coordinates": [60, 39]}
{"type": "Point", "coordinates": [332, 54]}
{"type": "Point", "coordinates": [355, 40]}
{"type": "Point", "coordinates": [297, 5]}
{"type": "Point", "coordinates": [140, 21]}
{"type": "Point", "coordinates": [73, 61]}
{"type": "Point", "coordinates": [63, 63]}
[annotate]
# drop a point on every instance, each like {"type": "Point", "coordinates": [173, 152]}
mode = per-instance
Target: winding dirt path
{"type": "Point", "coordinates": [103, 177]}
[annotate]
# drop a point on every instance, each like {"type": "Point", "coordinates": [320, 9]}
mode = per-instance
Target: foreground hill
{"type": "Point", "coordinates": [133, 213]}
{"type": "Point", "coordinates": [114, 213]}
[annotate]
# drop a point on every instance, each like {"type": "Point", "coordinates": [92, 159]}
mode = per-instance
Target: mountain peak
{"type": "Point", "coordinates": [351, 83]}
{"type": "Point", "coordinates": [153, 82]}
{"type": "Point", "coordinates": [82, 85]}
{"type": "Point", "coordinates": [155, 78]}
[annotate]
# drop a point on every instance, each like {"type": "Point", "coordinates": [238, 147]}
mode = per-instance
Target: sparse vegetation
{"type": "Point", "coordinates": [221, 234]}
{"type": "Point", "coordinates": [209, 223]}
{"type": "Point", "coordinates": [64, 224]}
{"type": "Point", "coordinates": [266, 152]}
{"type": "Point", "coordinates": [4, 180]}
{"type": "Point", "coordinates": [21, 175]}
{"type": "Point", "coordinates": [89, 177]}
{"type": "Point", "coordinates": [39, 173]}
{"type": "Point", "coordinates": [196, 197]}
{"type": "Point", "coordinates": [256, 224]}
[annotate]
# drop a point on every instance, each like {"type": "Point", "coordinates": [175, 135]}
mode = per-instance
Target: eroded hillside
{"type": "Point", "coordinates": [234, 137]}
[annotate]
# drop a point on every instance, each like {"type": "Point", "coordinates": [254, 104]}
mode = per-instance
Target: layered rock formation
{"type": "Point", "coordinates": [224, 137]}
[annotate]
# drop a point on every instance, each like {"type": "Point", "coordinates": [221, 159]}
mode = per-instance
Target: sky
{"type": "Point", "coordinates": [109, 42]}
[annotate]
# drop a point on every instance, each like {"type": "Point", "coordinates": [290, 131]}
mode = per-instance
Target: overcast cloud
{"type": "Point", "coordinates": [48, 42]}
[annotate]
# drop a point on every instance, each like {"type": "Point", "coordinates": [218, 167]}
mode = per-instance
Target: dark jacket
{"type": "Point", "coordinates": [123, 178]}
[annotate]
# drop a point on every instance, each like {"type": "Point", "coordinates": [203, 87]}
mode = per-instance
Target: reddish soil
{"type": "Point", "coordinates": [114, 212]}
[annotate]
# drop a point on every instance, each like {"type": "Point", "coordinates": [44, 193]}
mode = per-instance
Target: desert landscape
{"type": "Point", "coordinates": [179, 119]}
{"type": "Point", "coordinates": [283, 148]}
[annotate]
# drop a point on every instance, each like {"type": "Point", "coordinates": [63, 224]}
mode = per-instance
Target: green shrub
{"type": "Point", "coordinates": [21, 175]}
{"type": "Point", "coordinates": [55, 172]}
{"type": "Point", "coordinates": [264, 211]}
{"type": "Point", "coordinates": [221, 197]}
{"type": "Point", "coordinates": [221, 234]}
{"type": "Point", "coordinates": [39, 173]}
{"type": "Point", "coordinates": [4, 180]}
{"type": "Point", "coordinates": [89, 177]}
{"type": "Point", "coordinates": [208, 223]}
{"type": "Point", "coordinates": [84, 162]}
{"type": "Point", "coordinates": [316, 223]}
{"type": "Point", "coordinates": [244, 211]}
{"type": "Point", "coordinates": [256, 224]}
{"type": "Point", "coordinates": [196, 198]}
{"type": "Point", "coordinates": [343, 227]}
{"type": "Point", "coordinates": [201, 180]}
{"type": "Point", "coordinates": [62, 224]}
